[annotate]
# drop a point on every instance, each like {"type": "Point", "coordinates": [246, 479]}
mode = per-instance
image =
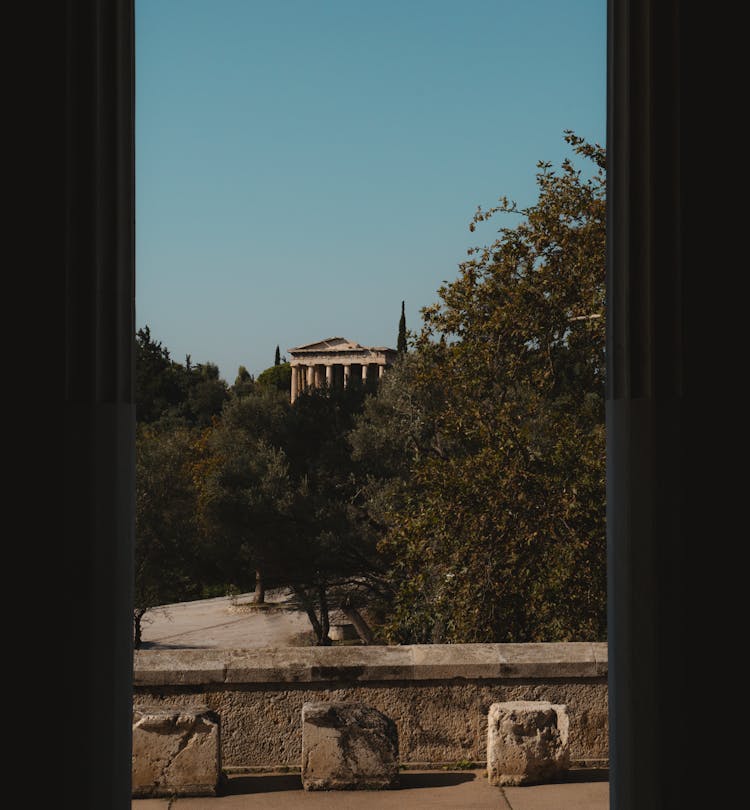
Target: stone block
{"type": "Point", "coordinates": [527, 742]}
{"type": "Point", "coordinates": [348, 746]}
{"type": "Point", "coordinates": [175, 751]}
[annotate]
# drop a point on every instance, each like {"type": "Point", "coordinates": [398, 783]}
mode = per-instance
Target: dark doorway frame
{"type": "Point", "coordinates": [648, 419]}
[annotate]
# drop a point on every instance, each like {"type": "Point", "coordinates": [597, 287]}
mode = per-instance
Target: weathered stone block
{"type": "Point", "coordinates": [527, 742]}
{"type": "Point", "coordinates": [175, 751]}
{"type": "Point", "coordinates": [348, 746]}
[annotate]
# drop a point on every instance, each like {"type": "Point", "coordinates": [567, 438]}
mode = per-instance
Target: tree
{"type": "Point", "coordinates": [336, 563]}
{"type": "Point", "coordinates": [166, 390]}
{"type": "Point", "coordinates": [205, 394]}
{"type": "Point", "coordinates": [243, 383]}
{"type": "Point", "coordinates": [166, 554]}
{"type": "Point", "coordinates": [157, 378]}
{"type": "Point", "coordinates": [401, 341]}
{"type": "Point", "coordinates": [280, 505]}
{"type": "Point", "coordinates": [245, 490]}
{"type": "Point", "coordinates": [278, 376]}
{"type": "Point", "coordinates": [495, 530]}
{"type": "Point", "coordinates": [244, 499]}
{"type": "Point", "coordinates": [277, 358]}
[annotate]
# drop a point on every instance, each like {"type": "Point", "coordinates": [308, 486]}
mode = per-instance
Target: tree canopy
{"type": "Point", "coordinates": [278, 376]}
{"type": "Point", "coordinates": [168, 564]}
{"type": "Point", "coordinates": [279, 502]}
{"type": "Point", "coordinates": [164, 389]}
{"type": "Point", "coordinates": [496, 521]}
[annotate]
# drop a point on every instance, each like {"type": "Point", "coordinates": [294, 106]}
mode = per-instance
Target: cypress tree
{"type": "Point", "coordinates": [401, 342]}
{"type": "Point", "coordinates": [277, 358]}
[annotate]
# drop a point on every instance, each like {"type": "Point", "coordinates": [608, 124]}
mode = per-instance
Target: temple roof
{"type": "Point", "coordinates": [337, 344]}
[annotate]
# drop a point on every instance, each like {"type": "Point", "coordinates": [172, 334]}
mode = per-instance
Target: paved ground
{"type": "Point", "coordinates": [455, 790]}
{"type": "Point", "coordinates": [226, 622]}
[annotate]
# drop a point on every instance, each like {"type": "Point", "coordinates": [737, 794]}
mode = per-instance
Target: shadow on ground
{"type": "Point", "coordinates": [432, 780]}
{"type": "Point", "coordinates": [275, 783]}
{"type": "Point", "coordinates": [586, 775]}
{"type": "Point", "coordinates": [267, 783]}
{"type": "Point", "coordinates": [162, 645]}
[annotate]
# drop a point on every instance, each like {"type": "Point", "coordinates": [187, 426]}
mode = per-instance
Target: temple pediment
{"type": "Point", "coordinates": [336, 344]}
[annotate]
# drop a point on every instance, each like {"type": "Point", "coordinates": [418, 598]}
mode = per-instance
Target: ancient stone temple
{"type": "Point", "coordinates": [337, 363]}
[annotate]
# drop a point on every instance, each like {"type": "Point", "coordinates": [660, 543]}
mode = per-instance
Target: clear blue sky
{"type": "Point", "coordinates": [302, 167]}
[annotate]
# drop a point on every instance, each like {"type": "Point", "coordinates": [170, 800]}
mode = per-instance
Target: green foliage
{"type": "Point", "coordinates": [277, 357]}
{"type": "Point", "coordinates": [263, 415]}
{"type": "Point", "coordinates": [219, 589]}
{"type": "Point", "coordinates": [336, 553]}
{"type": "Point", "coordinates": [278, 498]}
{"type": "Point", "coordinates": [243, 486]}
{"type": "Point", "coordinates": [157, 379]}
{"type": "Point", "coordinates": [166, 554]}
{"type": "Point", "coordinates": [496, 525]}
{"type": "Point", "coordinates": [279, 376]}
{"type": "Point", "coordinates": [465, 765]}
{"type": "Point", "coordinates": [245, 494]}
{"type": "Point", "coordinates": [206, 394]}
{"type": "Point", "coordinates": [165, 390]}
{"type": "Point", "coordinates": [401, 340]}
{"type": "Point", "coordinates": [244, 383]}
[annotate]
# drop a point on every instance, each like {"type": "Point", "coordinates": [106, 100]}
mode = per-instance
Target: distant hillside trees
{"type": "Point", "coordinates": [244, 383]}
{"type": "Point", "coordinates": [188, 393]}
{"type": "Point", "coordinates": [278, 376]}
{"type": "Point", "coordinates": [158, 380]}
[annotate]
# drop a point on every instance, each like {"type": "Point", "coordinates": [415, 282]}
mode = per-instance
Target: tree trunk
{"type": "Point", "coordinates": [260, 588]}
{"type": "Point", "coordinates": [360, 625]}
{"type": "Point", "coordinates": [310, 611]}
{"type": "Point", "coordinates": [325, 624]}
{"type": "Point", "coordinates": [138, 614]}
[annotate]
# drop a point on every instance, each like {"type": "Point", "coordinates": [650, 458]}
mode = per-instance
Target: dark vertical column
{"type": "Point", "coordinates": [99, 410]}
{"type": "Point", "coordinates": [648, 424]}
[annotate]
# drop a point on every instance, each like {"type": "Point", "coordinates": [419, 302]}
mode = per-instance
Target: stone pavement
{"type": "Point", "coordinates": [420, 790]}
{"type": "Point", "coordinates": [226, 622]}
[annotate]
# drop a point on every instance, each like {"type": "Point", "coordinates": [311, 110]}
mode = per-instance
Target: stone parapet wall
{"type": "Point", "coordinates": [438, 695]}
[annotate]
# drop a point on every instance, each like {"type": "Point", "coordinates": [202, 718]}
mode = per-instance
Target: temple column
{"type": "Point", "coordinates": [329, 376]}
{"type": "Point", "coordinates": [364, 373]}
{"type": "Point", "coordinates": [294, 384]}
{"type": "Point", "coordinates": [381, 370]}
{"type": "Point", "coordinates": [347, 372]}
{"type": "Point", "coordinates": [311, 376]}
